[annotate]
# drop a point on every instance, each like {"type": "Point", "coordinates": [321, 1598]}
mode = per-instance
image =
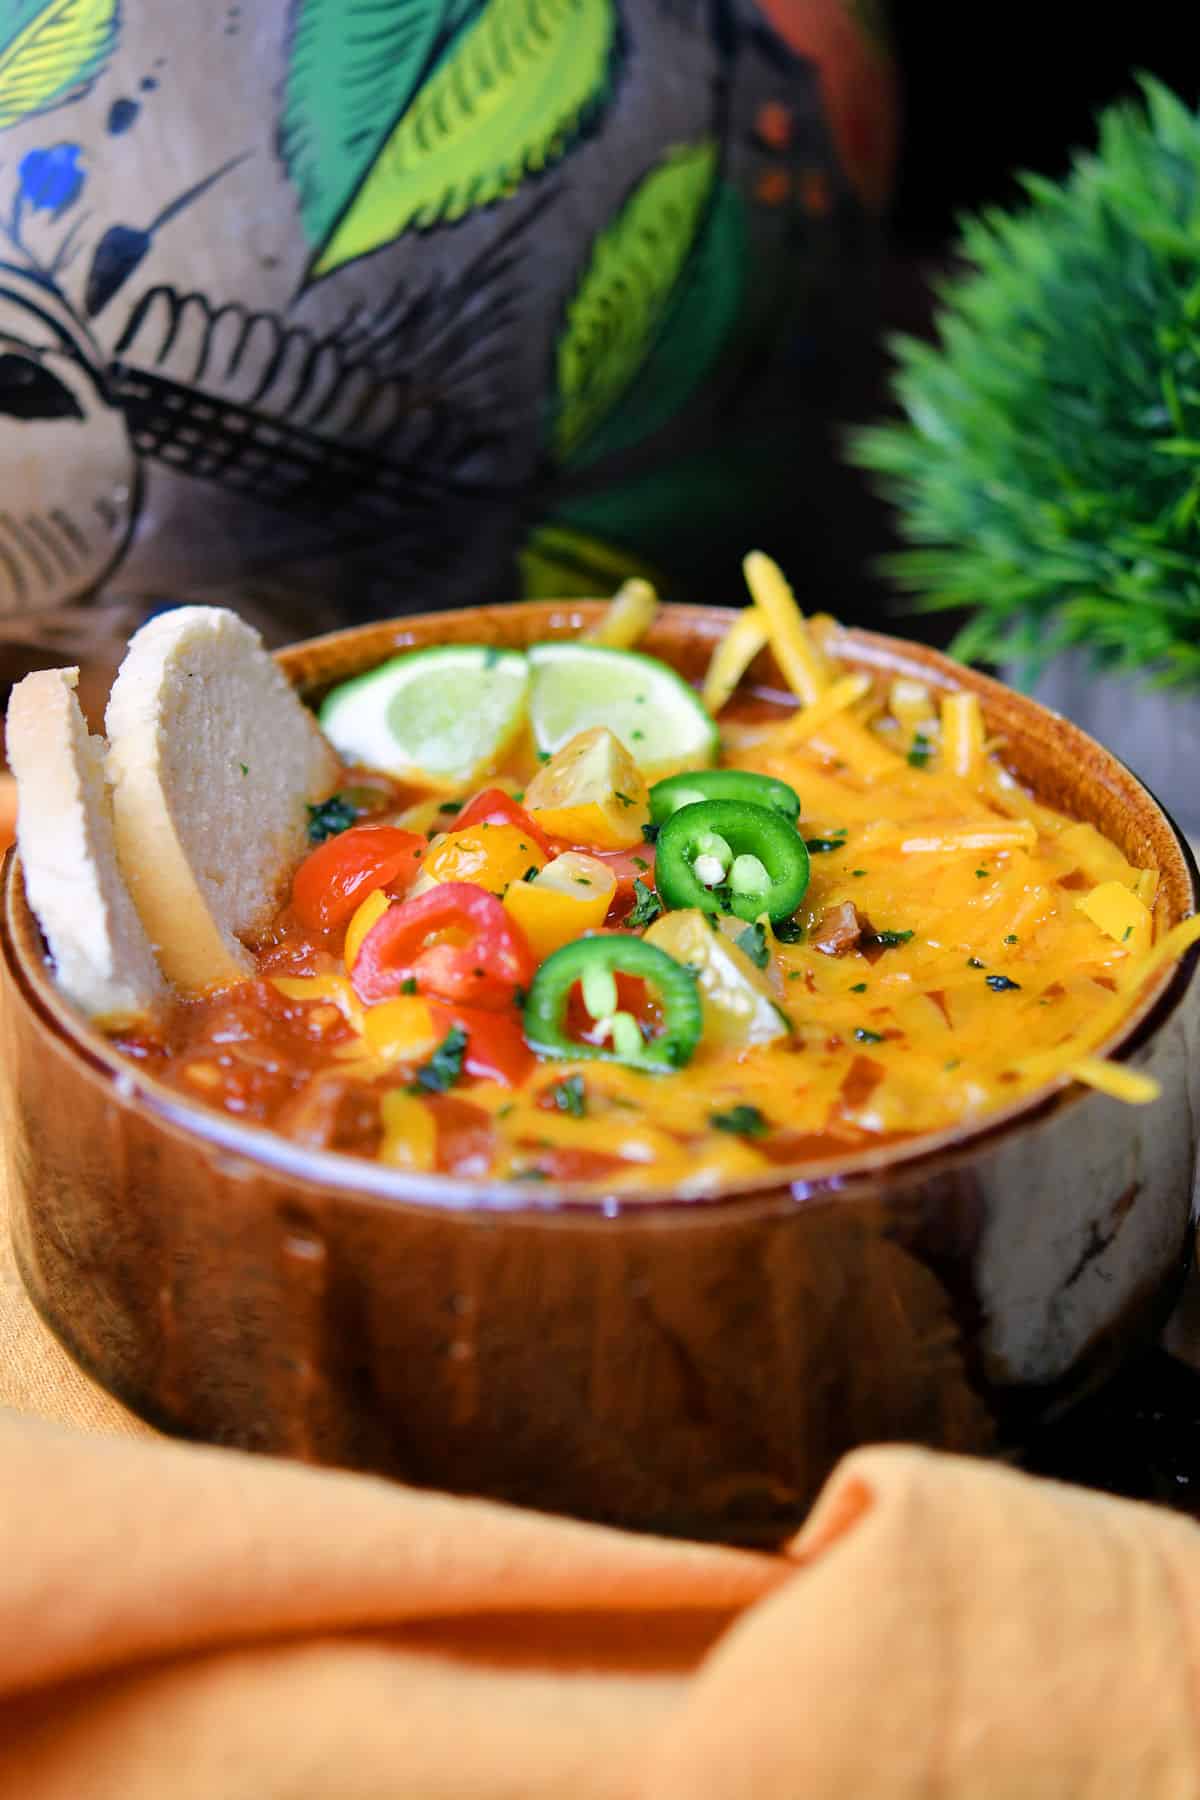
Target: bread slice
{"type": "Point", "coordinates": [212, 760]}
{"type": "Point", "coordinates": [102, 956]}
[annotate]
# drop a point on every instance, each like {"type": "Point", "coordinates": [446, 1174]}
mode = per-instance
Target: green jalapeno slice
{"type": "Point", "coordinates": [594, 964]}
{"type": "Point", "coordinates": [727, 856]}
{"type": "Point", "coordinates": [689, 788]}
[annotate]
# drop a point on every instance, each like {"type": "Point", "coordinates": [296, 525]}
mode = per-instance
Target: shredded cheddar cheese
{"type": "Point", "coordinates": [802, 665]}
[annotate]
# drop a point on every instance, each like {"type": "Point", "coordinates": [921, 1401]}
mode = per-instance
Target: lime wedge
{"type": "Point", "coordinates": [443, 717]}
{"type": "Point", "coordinates": [645, 704]}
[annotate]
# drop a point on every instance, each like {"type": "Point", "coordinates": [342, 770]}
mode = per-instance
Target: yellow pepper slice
{"type": "Point", "coordinates": [1119, 914]}
{"type": "Point", "coordinates": [571, 895]}
{"type": "Point", "coordinates": [409, 1132]}
{"type": "Point", "coordinates": [368, 914]}
{"type": "Point", "coordinates": [400, 1029]}
{"type": "Point", "coordinates": [490, 856]}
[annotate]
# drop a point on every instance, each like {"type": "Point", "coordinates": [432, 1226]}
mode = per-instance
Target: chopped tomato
{"type": "Point", "coordinates": [496, 1048]}
{"type": "Point", "coordinates": [628, 866]}
{"type": "Point", "coordinates": [455, 942]}
{"type": "Point", "coordinates": [465, 1135]}
{"type": "Point", "coordinates": [494, 807]}
{"type": "Point", "coordinates": [336, 877]}
{"type": "Point", "coordinates": [560, 1162]}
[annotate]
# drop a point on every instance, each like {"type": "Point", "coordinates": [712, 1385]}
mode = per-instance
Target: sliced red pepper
{"type": "Point", "coordinates": [494, 807]}
{"type": "Point", "coordinates": [496, 1048]}
{"type": "Point", "coordinates": [455, 942]}
{"type": "Point", "coordinates": [336, 877]}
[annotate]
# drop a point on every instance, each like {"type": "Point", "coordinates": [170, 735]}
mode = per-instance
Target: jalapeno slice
{"type": "Point", "coordinates": [595, 964]}
{"type": "Point", "coordinates": [689, 788]}
{"type": "Point", "coordinates": [726, 856]}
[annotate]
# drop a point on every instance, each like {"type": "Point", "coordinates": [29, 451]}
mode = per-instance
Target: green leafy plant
{"type": "Point", "coordinates": [1048, 470]}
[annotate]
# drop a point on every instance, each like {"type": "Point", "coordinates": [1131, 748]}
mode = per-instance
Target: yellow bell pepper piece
{"type": "Point", "coordinates": [401, 1030]}
{"type": "Point", "coordinates": [1118, 913]}
{"type": "Point", "coordinates": [409, 1133]}
{"type": "Point", "coordinates": [571, 895]}
{"type": "Point", "coordinates": [803, 666]}
{"type": "Point", "coordinates": [368, 914]}
{"type": "Point", "coordinates": [627, 618]}
{"type": "Point", "coordinates": [732, 657]}
{"type": "Point", "coordinates": [490, 856]}
{"type": "Point", "coordinates": [591, 792]}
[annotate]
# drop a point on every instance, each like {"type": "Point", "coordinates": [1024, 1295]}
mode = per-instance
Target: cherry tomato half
{"type": "Point", "coordinates": [494, 807]}
{"type": "Point", "coordinates": [456, 942]}
{"type": "Point", "coordinates": [337, 876]}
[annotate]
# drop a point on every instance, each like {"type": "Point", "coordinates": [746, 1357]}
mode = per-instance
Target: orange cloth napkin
{"type": "Point", "coordinates": [201, 1625]}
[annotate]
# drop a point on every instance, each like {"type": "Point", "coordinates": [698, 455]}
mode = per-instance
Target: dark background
{"type": "Point", "coordinates": [985, 93]}
{"type": "Point", "coordinates": [989, 90]}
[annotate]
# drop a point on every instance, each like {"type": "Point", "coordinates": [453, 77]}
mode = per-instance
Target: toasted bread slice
{"type": "Point", "coordinates": [212, 760]}
{"type": "Point", "coordinates": [102, 957]}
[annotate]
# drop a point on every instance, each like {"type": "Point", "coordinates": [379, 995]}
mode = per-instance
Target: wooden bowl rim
{"type": "Point", "coordinates": [842, 1178]}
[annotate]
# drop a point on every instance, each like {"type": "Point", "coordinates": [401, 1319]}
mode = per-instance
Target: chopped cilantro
{"type": "Point", "coordinates": [583, 881]}
{"type": "Point", "coordinates": [858, 871]}
{"type": "Point", "coordinates": [570, 1096]}
{"type": "Point", "coordinates": [502, 1112]}
{"type": "Point", "coordinates": [860, 987]}
{"type": "Point", "coordinates": [444, 1066]}
{"type": "Point", "coordinates": [649, 832]}
{"type": "Point", "coordinates": [491, 657]}
{"type": "Point", "coordinates": [451, 806]}
{"type": "Point", "coordinates": [623, 798]}
{"type": "Point", "coordinates": [868, 1037]}
{"type": "Point", "coordinates": [531, 873]}
{"type": "Point", "coordinates": [795, 974]}
{"type": "Point", "coordinates": [409, 985]}
{"type": "Point", "coordinates": [788, 931]}
{"type": "Point", "coordinates": [920, 752]}
{"type": "Point", "coordinates": [888, 940]}
{"type": "Point", "coordinates": [742, 1121]}
{"type": "Point", "coordinates": [244, 767]}
{"type": "Point", "coordinates": [982, 874]}
{"type": "Point", "coordinates": [753, 942]}
{"type": "Point", "coordinates": [329, 818]}
{"type": "Point", "coordinates": [1000, 984]}
{"type": "Point", "coordinates": [952, 1064]}
{"type": "Point", "coordinates": [1012, 938]}
{"type": "Point", "coordinates": [973, 962]}
{"type": "Point", "coordinates": [1127, 934]}
{"type": "Point", "coordinates": [646, 904]}
{"type": "Point", "coordinates": [543, 756]}
{"type": "Point", "coordinates": [820, 846]}
{"type": "Point", "coordinates": [639, 862]}
{"type": "Point", "coordinates": [635, 735]}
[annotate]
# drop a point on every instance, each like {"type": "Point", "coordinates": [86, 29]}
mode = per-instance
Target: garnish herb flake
{"type": "Point", "coordinates": [753, 943]}
{"type": "Point", "coordinates": [740, 1121]}
{"type": "Point", "coordinates": [329, 818]}
{"type": "Point", "coordinates": [444, 1067]}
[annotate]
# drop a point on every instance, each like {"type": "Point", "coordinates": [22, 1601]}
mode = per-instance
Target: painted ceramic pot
{"type": "Point", "coordinates": [693, 1366]}
{"type": "Point", "coordinates": [319, 304]}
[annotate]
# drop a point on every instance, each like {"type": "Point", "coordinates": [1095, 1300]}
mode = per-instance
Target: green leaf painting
{"type": "Point", "coordinates": [404, 115]}
{"type": "Point", "coordinates": [695, 326]}
{"type": "Point", "coordinates": [52, 52]}
{"type": "Point", "coordinates": [654, 307]}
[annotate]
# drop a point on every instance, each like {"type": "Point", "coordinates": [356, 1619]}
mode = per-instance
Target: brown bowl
{"type": "Point", "coordinates": [686, 1365]}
